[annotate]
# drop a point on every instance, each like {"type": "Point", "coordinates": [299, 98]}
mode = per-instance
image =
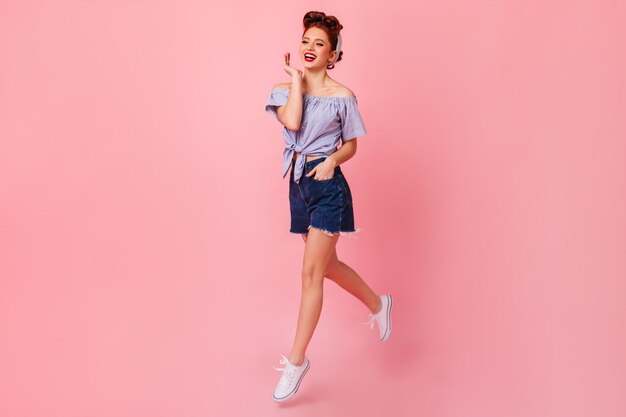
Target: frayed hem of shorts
{"type": "Point", "coordinates": [350, 234]}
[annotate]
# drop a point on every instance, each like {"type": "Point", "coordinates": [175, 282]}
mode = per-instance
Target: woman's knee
{"type": "Point", "coordinates": [311, 279]}
{"type": "Point", "coordinates": [309, 272]}
{"type": "Point", "coordinates": [312, 274]}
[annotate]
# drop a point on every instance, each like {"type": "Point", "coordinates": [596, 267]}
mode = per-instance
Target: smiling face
{"type": "Point", "coordinates": [315, 48]}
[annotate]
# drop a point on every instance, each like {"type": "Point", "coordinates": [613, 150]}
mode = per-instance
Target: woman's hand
{"type": "Point", "coordinates": [294, 72]}
{"type": "Point", "coordinates": [325, 170]}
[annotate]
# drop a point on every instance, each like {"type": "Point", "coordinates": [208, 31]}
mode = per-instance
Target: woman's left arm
{"type": "Point", "coordinates": [326, 169]}
{"type": "Point", "coordinates": [345, 152]}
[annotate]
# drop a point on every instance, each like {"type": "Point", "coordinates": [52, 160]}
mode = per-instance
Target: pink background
{"type": "Point", "coordinates": [145, 260]}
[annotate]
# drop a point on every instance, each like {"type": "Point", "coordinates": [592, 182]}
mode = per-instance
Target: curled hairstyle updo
{"type": "Point", "coordinates": [329, 24]}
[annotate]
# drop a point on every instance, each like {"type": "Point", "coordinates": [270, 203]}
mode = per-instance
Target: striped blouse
{"type": "Point", "coordinates": [325, 121]}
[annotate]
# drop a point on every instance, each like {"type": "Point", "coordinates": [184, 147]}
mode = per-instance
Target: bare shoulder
{"type": "Point", "coordinates": [282, 85]}
{"type": "Point", "coordinates": [343, 91]}
{"type": "Point", "coordinates": [338, 90]}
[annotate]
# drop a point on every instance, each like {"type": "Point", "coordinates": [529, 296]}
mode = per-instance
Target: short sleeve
{"type": "Point", "coordinates": [352, 125]}
{"type": "Point", "coordinates": [278, 97]}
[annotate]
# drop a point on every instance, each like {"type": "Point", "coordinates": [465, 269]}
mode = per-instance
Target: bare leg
{"type": "Point", "coordinates": [317, 252]}
{"type": "Point", "coordinates": [349, 280]}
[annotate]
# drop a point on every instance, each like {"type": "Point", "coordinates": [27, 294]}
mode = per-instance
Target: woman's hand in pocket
{"type": "Point", "coordinates": [325, 170]}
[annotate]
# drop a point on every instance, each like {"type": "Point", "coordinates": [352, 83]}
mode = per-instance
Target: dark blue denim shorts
{"type": "Point", "coordinates": [323, 204]}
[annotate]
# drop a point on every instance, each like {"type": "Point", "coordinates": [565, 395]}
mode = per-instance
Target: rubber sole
{"type": "Point", "coordinates": [388, 330]}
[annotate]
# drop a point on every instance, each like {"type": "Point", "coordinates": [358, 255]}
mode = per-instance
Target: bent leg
{"type": "Point", "coordinates": [348, 279]}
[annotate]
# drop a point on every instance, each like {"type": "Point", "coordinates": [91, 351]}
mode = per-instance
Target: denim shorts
{"type": "Point", "coordinates": [323, 204]}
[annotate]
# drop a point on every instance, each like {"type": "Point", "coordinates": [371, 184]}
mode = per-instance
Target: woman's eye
{"type": "Point", "coordinates": [319, 44]}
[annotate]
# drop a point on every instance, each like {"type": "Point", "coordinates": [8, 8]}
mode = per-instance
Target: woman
{"type": "Point", "coordinates": [317, 112]}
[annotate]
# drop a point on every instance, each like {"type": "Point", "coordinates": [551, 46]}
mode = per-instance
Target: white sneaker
{"type": "Point", "coordinates": [383, 318]}
{"type": "Point", "coordinates": [290, 379]}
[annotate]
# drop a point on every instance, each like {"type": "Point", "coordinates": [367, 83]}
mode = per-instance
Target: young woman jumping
{"type": "Point", "coordinates": [317, 113]}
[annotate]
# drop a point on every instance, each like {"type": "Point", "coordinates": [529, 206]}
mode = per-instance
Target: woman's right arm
{"type": "Point", "coordinates": [290, 115]}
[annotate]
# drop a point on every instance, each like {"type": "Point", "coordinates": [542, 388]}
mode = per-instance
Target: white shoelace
{"type": "Point", "coordinates": [288, 372]}
{"type": "Point", "coordinates": [372, 320]}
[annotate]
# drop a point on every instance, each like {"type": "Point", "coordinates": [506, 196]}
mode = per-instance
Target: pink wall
{"type": "Point", "coordinates": [145, 260]}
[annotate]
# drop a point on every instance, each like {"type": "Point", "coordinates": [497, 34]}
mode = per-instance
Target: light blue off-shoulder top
{"type": "Point", "coordinates": [325, 121]}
